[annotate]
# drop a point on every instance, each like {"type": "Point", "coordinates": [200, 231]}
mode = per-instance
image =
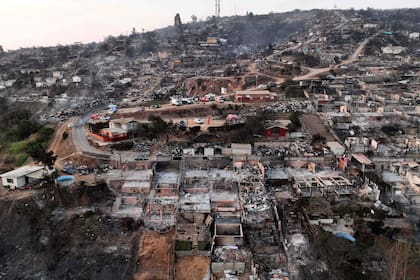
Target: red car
{"type": "Point", "coordinates": [204, 99]}
{"type": "Point", "coordinates": [95, 117]}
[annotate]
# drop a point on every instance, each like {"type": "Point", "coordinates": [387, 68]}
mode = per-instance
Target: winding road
{"type": "Point", "coordinates": [313, 72]}
{"type": "Point", "coordinates": [80, 140]}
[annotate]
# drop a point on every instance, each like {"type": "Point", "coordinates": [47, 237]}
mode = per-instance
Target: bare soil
{"type": "Point", "coordinates": [192, 267]}
{"type": "Point", "coordinates": [61, 147]}
{"type": "Point", "coordinates": [314, 125]}
{"type": "Point", "coordinates": [154, 255]}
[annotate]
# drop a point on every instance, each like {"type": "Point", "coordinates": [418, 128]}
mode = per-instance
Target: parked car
{"type": "Point", "coordinates": [198, 121]}
{"type": "Point", "coordinates": [176, 102]}
{"type": "Point", "coordinates": [187, 101]}
{"type": "Point", "coordinates": [95, 117]}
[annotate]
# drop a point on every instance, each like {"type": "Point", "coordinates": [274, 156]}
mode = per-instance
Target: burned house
{"type": "Point", "coordinates": [323, 185]}
{"type": "Point", "coordinates": [167, 183]}
{"type": "Point", "coordinates": [193, 239]}
{"type": "Point", "coordinates": [139, 182]}
{"type": "Point", "coordinates": [228, 232]}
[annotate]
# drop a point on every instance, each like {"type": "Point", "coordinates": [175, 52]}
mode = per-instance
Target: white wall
{"type": "Point", "coordinates": [17, 182]}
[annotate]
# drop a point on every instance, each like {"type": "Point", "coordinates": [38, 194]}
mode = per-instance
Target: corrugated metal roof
{"type": "Point", "coordinates": [22, 171]}
{"type": "Point", "coordinates": [362, 159]}
{"type": "Point", "coordinates": [241, 146]}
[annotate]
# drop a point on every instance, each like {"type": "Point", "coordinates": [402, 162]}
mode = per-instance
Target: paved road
{"type": "Point", "coordinates": [80, 140]}
{"type": "Point", "coordinates": [82, 145]}
{"type": "Point", "coordinates": [172, 108]}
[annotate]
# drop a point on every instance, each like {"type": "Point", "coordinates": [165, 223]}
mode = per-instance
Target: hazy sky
{"type": "Point", "coordinates": [26, 23]}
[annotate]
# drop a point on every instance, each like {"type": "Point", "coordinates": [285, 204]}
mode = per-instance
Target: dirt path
{"type": "Point", "coordinates": [63, 148]}
{"type": "Point", "coordinates": [17, 195]}
{"type": "Point", "coordinates": [58, 137]}
{"type": "Point", "coordinates": [253, 71]}
{"type": "Point", "coordinates": [313, 72]}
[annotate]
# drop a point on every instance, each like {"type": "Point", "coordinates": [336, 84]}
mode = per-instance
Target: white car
{"type": "Point", "coordinates": [176, 102]}
{"type": "Point", "coordinates": [198, 121]}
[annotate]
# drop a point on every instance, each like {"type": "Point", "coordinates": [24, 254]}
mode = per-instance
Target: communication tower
{"type": "Point", "coordinates": [217, 11]}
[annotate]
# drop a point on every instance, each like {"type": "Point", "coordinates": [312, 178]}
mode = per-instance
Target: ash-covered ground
{"type": "Point", "coordinates": [65, 234]}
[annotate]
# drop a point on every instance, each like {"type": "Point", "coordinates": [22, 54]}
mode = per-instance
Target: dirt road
{"type": "Point", "coordinates": [315, 126]}
{"type": "Point", "coordinates": [253, 71]}
{"type": "Point", "coordinates": [313, 72]}
{"type": "Point", "coordinates": [58, 137]}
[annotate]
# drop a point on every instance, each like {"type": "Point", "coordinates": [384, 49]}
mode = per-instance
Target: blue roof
{"type": "Point", "coordinates": [65, 178]}
{"type": "Point", "coordinates": [345, 236]}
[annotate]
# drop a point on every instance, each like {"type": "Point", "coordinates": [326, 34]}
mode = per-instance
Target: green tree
{"type": "Point", "coordinates": [158, 127]}
{"type": "Point", "coordinates": [37, 151]}
{"type": "Point", "coordinates": [25, 128]}
{"type": "Point", "coordinates": [254, 126]}
{"type": "Point", "coordinates": [45, 133]}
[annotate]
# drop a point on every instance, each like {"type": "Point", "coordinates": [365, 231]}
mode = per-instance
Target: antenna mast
{"type": "Point", "coordinates": [217, 10]}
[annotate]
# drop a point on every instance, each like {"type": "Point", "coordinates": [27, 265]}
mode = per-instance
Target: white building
{"type": "Point", "coordinates": [241, 149]}
{"type": "Point", "coordinates": [127, 125]}
{"type": "Point", "coordinates": [336, 148]}
{"type": "Point", "coordinates": [393, 50]}
{"type": "Point", "coordinates": [369, 25]}
{"type": "Point", "coordinates": [22, 176]}
{"type": "Point", "coordinates": [414, 35]}
{"type": "Point", "coordinates": [57, 74]}
{"type": "Point", "coordinates": [64, 82]}
{"type": "Point", "coordinates": [50, 81]}
{"type": "Point", "coordinates": [76, 79]}
{"type": "Point", "coordinates": [9, 83]}
{"type": "Point", "coordinates": [40, 84]}
{"type": "Point", "coordinates": [125, 81]}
